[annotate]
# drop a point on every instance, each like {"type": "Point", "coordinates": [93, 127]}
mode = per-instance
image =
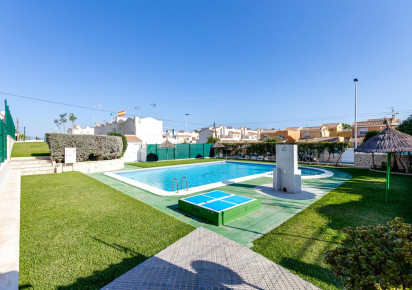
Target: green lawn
{"type": "Point", "coordinates": [172, 162]}
{"type": "Point", "coordinates": [299, 244]}
{"type": "Point", "coordinates": [78, 233]}
{"type": "Point", "coordinates": [30, 149]}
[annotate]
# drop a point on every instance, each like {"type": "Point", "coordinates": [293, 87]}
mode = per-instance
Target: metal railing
{"type": "Point", "coordinates": [177, 185]}
{"type": "Point", "coordinates": [181, 183]}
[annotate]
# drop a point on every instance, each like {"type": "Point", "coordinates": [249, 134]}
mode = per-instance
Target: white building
{"type": "Point", "coordinates": [180, 137]}
{"type": "Point", "coordinates": [148, 130]}
{"type": "Point", "coordinates": [79, 130]}
{"type": "Point", "coordinates": [228, 134]}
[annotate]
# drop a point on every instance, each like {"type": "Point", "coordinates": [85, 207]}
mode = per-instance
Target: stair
{"type": "Point", "coordinates": [32, 165]}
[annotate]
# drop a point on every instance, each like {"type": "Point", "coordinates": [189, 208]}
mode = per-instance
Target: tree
{"type": "Point", "coordinates": [276, 139]}
{"type": "Point", "coordinates": [212, 139]}
{"type": "Point", "coordinates": [346, 126]}
{"type": "Point", "coordinates": [72, 118]}
{"type": "Point", "coordinates": [58, 124]}
{"type": "Point", "coordinates": [406, 126]}
{"type": "Point", "coordinates": [63, 120]}
{"type": "Point", "coordinates": [370, 134]}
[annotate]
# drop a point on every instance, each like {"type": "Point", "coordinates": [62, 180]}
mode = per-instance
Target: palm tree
{"type": "Point", "coordinates": [63, 121]}
{"type": "Point", "coordinates": [72, 118]}
{"type": "Point", "coordinates": [57, 122]}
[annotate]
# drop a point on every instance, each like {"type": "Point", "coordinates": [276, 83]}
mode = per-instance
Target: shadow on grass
{"type": "Point", "coordinates": [308, 238]}
{"type": "Point", "coordinates": [39, 154]}
{"type": "Point", "coordinates": [101, 278]}
{"type": "Point", "coordinates": [304, 269]}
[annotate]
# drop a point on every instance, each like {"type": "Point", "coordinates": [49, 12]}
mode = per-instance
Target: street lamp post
{"type": "Point", "coordinates": [356, 124]}
{"type": "Point", "coordinates": [186, 121]}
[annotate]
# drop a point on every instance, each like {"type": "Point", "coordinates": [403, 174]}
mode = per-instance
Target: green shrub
{"type": "Point", "coordinates": [124, 140]}
{"type": "Point", "coordinates": [87, 146]}
{"type": "Point", "coordinates": [374, 257]}
{"type": "Point", "coordinates": [383, 166]}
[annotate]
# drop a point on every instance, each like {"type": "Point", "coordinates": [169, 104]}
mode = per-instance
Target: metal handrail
{"type": "Point", "coordinates": [181, 183]}
{"type": "Point", "coordinates": [177, 185]}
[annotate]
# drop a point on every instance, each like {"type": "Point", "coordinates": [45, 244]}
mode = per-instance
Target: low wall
{"type": "Point", "coordinates": [364, 160]}
{"type": "Point", "coordinates": [10, 143]}
{"type": "Point", "coordinates": [91, 166]}
{"type": "Point", "coordinates": [4, 173]}
{"type": "Point", "coordinates": [4, 167]}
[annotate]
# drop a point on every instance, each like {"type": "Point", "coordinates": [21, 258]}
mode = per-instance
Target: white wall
{"type": "Point", "coordinates": [203, 135]}
{"type": "Point", "coordinates": [348, 156]}
{"type": "Point", "coordinates": [132, 153]}
{"type": "Point", "coordinates": [149, 130]}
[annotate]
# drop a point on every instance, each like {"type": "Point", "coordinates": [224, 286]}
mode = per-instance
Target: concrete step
{"type": "Point", "coordinates": [37, 171]}
{"type": "Point", "coordinates": [23, 166]}
{"type": "Point", "coordinates": [30, 158]}
{"type": "Point", "coordinates": [21, 162]}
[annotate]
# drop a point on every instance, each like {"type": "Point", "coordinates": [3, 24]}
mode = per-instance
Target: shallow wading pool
{"type": "Point", "coordinates": [218, 207]}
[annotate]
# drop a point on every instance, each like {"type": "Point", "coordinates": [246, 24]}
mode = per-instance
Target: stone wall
{"type": "Point", "coordinates": [364, 160]}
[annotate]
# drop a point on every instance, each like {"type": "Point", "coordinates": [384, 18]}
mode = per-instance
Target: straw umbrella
{"type": "Point", "coordinates": [388, 141]}
{"type": "Point", "coordinates": [218, 145]}
{"type": "Point", "coordinates": [167, 144]}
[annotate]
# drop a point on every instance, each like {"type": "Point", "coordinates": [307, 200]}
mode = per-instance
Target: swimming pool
{"type": "Point", "coordinates": [199, 176]}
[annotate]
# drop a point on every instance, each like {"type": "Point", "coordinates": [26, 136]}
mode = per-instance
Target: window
{"type": "Point", "coordinates": [362, 132]}
{"type": "Point", "coordinates": [282, 136]}
{"type": "Point", "coordinates": [307, 134]}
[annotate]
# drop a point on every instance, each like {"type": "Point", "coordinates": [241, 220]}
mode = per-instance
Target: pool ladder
{"type": "Point", "coordinates": [181, 183]}
{"type": "Point", "coordinates": [177, 184]}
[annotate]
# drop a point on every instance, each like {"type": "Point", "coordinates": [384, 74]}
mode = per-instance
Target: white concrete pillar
{"type": "Point", "coordinates": [286, 175]}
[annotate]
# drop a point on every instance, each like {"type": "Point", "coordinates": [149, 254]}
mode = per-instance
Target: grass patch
{"type": "Point", "coordinates": [30, 149]}
{"type": "Point", "coordinates": [78, 233]}
{"type": "Point", "coordinates": [171, 162]}
{"type": "Point", "coordinates": [299, 244]}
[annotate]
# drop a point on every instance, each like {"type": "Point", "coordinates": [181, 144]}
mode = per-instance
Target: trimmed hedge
{"type": "Point", "coordinates": [88, 147]}
{"type": "Point", "coordinates": [374, 257]}
{"type": "Point", "coordinates": [311, 149]}
{"type": "Point", "coordinates": [124, 140]}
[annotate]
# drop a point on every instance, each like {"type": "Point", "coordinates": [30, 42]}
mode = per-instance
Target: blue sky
{"type": "Point", "coordinates": [267, 64]}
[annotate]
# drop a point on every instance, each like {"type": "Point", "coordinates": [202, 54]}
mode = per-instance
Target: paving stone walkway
{"type": "Point", "coordinates": [206, 260]}
{"type": "Point", "coordinates": [9, 232]}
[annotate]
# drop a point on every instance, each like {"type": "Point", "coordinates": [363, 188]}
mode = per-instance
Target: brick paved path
{"type": "Point", "coordinates": [206, 260]}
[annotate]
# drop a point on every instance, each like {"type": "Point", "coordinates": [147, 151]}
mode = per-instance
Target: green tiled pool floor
{"type": "Point", "coordinates": [274, 210]}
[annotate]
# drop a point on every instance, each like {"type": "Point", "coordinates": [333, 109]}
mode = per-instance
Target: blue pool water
{"type": "Point", "coordinates": [217, 200]}
{"type": "Point", "coordinates": [202, 174]}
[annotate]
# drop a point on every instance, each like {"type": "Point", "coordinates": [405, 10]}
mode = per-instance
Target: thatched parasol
{"type": "Point", "coordinates": [218, 145]}
{"type": "Point", "coordinates": [167, 144]}
{"type": "Point", "coordinates": [388, 141]}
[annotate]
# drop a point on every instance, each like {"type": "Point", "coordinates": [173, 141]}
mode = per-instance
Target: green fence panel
{"type": "Point", "coordinates": [10, 128]}
{"type": "Point", "coordinates": [3, 142]}
{"type": "Point", "coordinates": [182, 151]}
{"type": "Point", "coordinates": [7, 128]}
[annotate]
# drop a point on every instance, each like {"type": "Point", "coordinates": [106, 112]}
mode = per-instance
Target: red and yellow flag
{"type": "Point", "coordinates": [121, 113]}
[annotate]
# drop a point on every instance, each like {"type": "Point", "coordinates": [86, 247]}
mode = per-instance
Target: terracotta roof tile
{"type": "Point", "coordinates": [132, 138]}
